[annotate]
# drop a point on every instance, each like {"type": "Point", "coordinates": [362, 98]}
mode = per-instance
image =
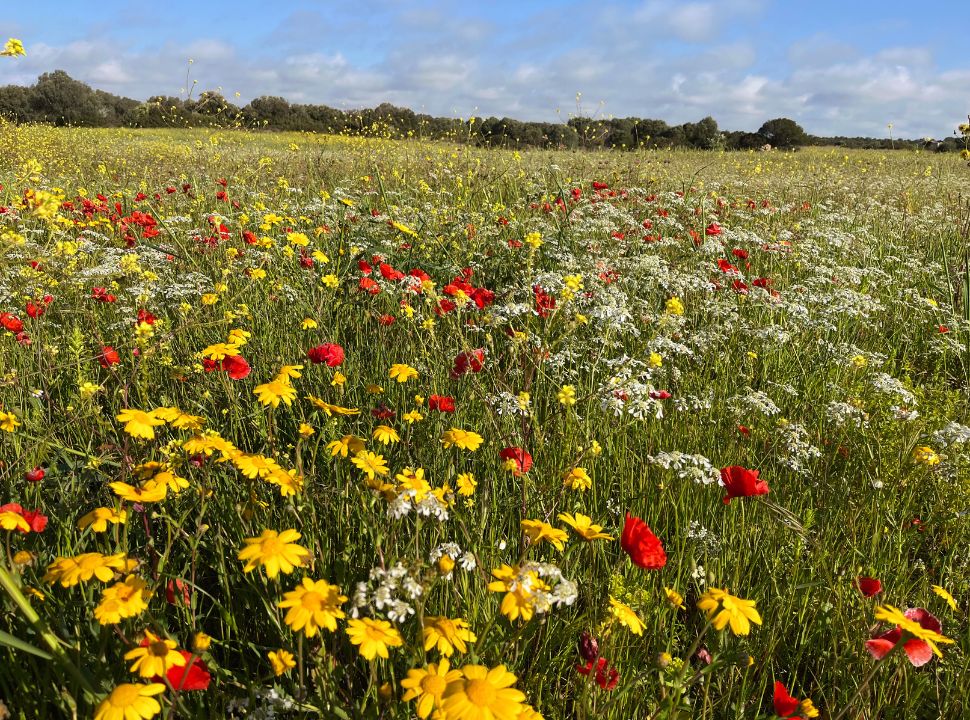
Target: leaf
{"type": "Point", "coordinates": [18, 644]}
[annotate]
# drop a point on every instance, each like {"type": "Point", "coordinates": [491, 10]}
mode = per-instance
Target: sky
{"type": "Point", "coordinates": [848, 67]}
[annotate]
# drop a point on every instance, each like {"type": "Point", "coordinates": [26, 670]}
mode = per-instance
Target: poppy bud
{"type": "Point", "coordinates": [589, 646]}
{"type": "Point", "coordinates": [35, 475]}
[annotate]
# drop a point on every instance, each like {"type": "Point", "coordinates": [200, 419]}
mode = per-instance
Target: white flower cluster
{"type": "Point", "coordinates": [465, 560]}
{"type": "Point", "coordinates": [696, 468]}
{"type": "Point", "coordinates": [388, 591]}
{"type": "Point", "coordinates": [562, 592]}
{"type": "Point", "coordinates": [842, 414]}
{"type": "Point", "coordinates": [754, 400]}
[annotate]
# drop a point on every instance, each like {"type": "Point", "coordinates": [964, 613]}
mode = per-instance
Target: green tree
{"type": "Point", "coordinates": [783, 133]}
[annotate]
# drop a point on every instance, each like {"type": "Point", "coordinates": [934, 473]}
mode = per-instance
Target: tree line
{"type": "Point", "coordinates": [58, 99]}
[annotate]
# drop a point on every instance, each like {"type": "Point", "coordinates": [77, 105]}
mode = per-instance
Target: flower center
{"type": "Point", "coordinates": [312, 600]}
{"type": "Point", "coordinates": [433, 685]}
{"type": "Point", "coordinates": [158, 648]}
{"type": "Point", "coordinates": [480, 693]}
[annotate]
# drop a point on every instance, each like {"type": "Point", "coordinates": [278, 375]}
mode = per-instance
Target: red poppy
{"type": "Point", "coordinates": [741, 482]}
{"type": "Point", "coordinates": [11, 322]}
{"type": "Point", "coordinates": [108, 356]}
{"type": "Point", "coordinates": [725, 266]}
{"type": "Point", "coordinates": [236, 367]}
{"type": "Point", "coordinates": [34, 310]}
{"type": "Point", "coordinates": [329, 353]}
{"type": "Point", "coordinates": [713, 229]}
{"type": "Point", "coordinates": [35, 475]}
{"type": "Point", "coordinates": [918, 651]}
{"type": "Point", "coordinates": [146, 317]}
{"type": "Point", "coordinates": [188, 677]}
{"type": "Point", "coordinates": [522, 459]}
{"type": "Point", "coordinates": [177, 590]}
{"type": "Point", "coordinates": [383, 412]}
{"type": "Point", "coordinates": [740, 253]}
{"type": "Point", "coordinates": [785, 705]}
{"type": "Point", "coordinates": [469, 361]}
{"type": "Point", "coordinates": [868, 586]}
{"type": "Point", "coordinates": [441, 403]}
{"type": "Point", "coordinates": [544, 302]}
{"type": "Point", "coordinates": [386, 320]}
{"type": "Point", "coordinates": [369, 285]}
{"type": "Point", "coordinates": [607, 676]}
{"type": "Point", "coordinates": [643, 547]}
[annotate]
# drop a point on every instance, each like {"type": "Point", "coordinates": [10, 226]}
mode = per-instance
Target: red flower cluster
{"type": "Point", "coordinates": [544, 302]}
{"type": "Point", "coordinates": [108, 357]}
{"type": "Point", "coordinates": [607, 676]}
{"type": "Point", "coordinates": [869, 586]}
{"type": "Point", "coordinates": [643, 547]}
{"type": "Point", "coordinates": [786, 706]}
{"type": "Point", "coordinates": [441, 403]}
{"type": "Point", "coordinates": [329, 353]}
{"type": "Point", "coordinates": [34, 518]}
{"type": "Point", "coordinates": [188, 677]}
{"type": "Point", "coordinates": [235, 366]}
{"type": "Point", "coordinates": [468, 361]}
{"type": "Point", "coordinates": [522, 459]}
{"type": "Point", "coordinates": [741, 482]}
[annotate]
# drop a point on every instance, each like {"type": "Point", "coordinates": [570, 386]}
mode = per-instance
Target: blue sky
{"type": "Point", "coordinates": [836, 67]}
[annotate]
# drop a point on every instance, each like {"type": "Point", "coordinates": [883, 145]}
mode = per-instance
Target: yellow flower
{"type": "Point", "coordinates": [282, 661]}
{"type": "Point", "coordinates": [464, 439]}
{"type": "Point", "coordinates": [627, 617]}
{"type": "Point", "coordinates": [926, 456]}
{"type": "Point", "coordinates": [220, 351]}
{"type": "Point", "coordinates": [69, 571]}
{"type": "Point", "coordinates": [447, 635]}
{"type": "Point", "coordinates": [140, 424]}
{"type": "Point", "coordinates": [655, 360]}
{"type": "Point", "coordinates": [338, 378]}
{"type": "Point", "coordinates": [272, 392]}
{"type": "Point", "coordinates": [346, 444]}
{"type": "Point", "coordinates": [537, 531]}
{"type": "Point", "coordinates": [674, 598]}
{"type": "Point", "coordinates": [890, 614]}
{"type": "Point", "coordinates": [370, 463]}
{"type": "Point", "coordinates": [723, 609]}
{"type": "Point", "coordinates": [466, 484]}
{"type": "Point", "coordinates": [567, 395]}
{"type": "Point", "coordinates": [427, 686]}
{"type": "Point", "coordinates": [578, 479]}
{"type": "Point", "coordinates": [330, 409]}
{"type": "Point", "coordinates": [534, 240]}
{"type": "Point", "coordinates": [8, 421]}
{"type": "Point", "coordinates": [313, 604]}
{"type": "Point", "coordinates": [402, 373]}
{"type": "Point", "coordinates": [122, 600]}
{"type": "Point", "coordinates": [674, 306]}
{"type": "Point", "coordinates": [147, 492]}
{"type": "Point", "coordinates": [373, 636]}
{"type": "Point", "coordinates": [156, 657]}
{"type": "Point", "coordinates": [946, 596]}
{"type": "Point", "coordinates": [12, 48]}
{"type": "Point", "coordinates": [88, 390]}
{"type": "Point", "coordinates": [386, 434]}
{"type": "Point", "coordinates": [289, 372]}
{"type": "Point", "coordinates": [808, 708]}
{"type": "Point", "coordinates": [519, 600]}
{"type": "Point", "coordinates": [10, 520]}
{"type": "Point", "coordinates": [131, 701]}
{"type": "Point", "coordinates": [859, 361]}
{"type": "Point", "coordinates": [412, 417]}
{"type": "Point", "coordinates": [306, 430]}
{"type": "Point", "coordinates": [483, 694]}
{"type": "Point", "coordinates": [309, 324]}
{"type": "Point", "coordinates": [274, 551]}
{"type": "Point", "coordinates": [584, 527]}
{"type": "Point", "coordinates": [201, 643]}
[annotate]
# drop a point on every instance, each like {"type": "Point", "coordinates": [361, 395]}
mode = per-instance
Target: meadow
{"type": "Point", "coordinates": [301, 426]}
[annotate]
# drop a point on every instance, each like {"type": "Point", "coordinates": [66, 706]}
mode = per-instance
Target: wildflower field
{"type": "Point", "coordinates": [299, 426]}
